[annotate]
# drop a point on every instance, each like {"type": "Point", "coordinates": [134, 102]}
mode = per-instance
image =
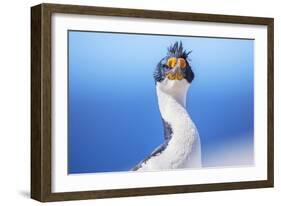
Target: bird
{"type": "Point", "coordinates": [181, 147]}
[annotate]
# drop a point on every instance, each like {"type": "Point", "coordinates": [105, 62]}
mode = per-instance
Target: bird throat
{"type": "Point", "coordinates": [172, 90]}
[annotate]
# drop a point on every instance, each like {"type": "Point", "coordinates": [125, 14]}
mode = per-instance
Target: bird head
{"type": "Point", "coordinates": [174, 66]}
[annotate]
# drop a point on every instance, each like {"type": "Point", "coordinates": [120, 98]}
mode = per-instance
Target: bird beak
{"type": "Point", "coordinates": [175, 73]}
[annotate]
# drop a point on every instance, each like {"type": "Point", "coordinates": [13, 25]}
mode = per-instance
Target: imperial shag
{"type": "Point", "coordinates": [181, 148]}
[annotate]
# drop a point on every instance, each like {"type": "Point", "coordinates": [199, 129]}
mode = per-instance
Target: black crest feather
{"type": "Point", "coordinates": [177, 50]}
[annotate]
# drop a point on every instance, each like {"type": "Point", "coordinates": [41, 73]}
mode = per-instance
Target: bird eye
{"type": "Point", "coordinates": [182, 63]}
{"type": "Point", "coordinates": [171, 62]}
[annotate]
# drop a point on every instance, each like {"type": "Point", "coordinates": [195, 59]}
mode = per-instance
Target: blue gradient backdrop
{"type": "Point", "coordinates": [113, 117]}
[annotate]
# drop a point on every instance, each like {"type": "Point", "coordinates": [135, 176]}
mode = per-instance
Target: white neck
{"type": "Point", "coordinates": [180, 95]}
{"type": "Point", "coordinates": [172, 104]}
{"type": "Point", "coordinates": [176, 89]}
{"type": "Point", "coordinates": [183, 148]}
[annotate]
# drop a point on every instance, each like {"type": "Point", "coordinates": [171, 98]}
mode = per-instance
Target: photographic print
{"type": "Point", "coordinates": [130, 102]}
{"type": "Point", "coordinates": [148, 102]}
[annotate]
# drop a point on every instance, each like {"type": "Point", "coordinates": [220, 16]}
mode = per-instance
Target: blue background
{"type": "Point", "coordinates": [113, 116]}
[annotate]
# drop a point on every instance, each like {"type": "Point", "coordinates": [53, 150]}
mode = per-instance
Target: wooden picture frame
{"type": "Point", "coordinates": [41, 93]}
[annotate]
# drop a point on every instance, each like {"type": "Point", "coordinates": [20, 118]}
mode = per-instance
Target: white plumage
{"type": "Point", "coordinates": [184, 148]}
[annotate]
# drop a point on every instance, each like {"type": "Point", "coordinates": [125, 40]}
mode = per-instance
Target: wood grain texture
{"type": "Point", "coordinates": [40, 102]}
{"type": "Point", "coordinates": [36, 163]}
{"type": "Point", "coordinates": [41, 176]}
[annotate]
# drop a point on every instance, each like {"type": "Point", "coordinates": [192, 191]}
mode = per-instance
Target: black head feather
{"type": "Point", "coordinates": [177, 50]}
